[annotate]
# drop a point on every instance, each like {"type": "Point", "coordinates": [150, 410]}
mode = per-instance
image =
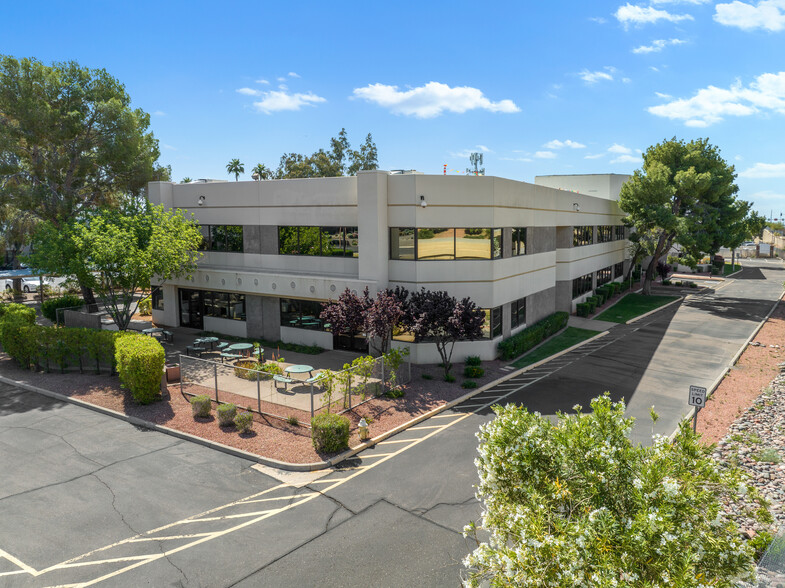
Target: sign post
{"type": "Point", "coordinates": [698, 400]}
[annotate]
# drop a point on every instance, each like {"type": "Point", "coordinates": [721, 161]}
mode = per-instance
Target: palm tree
{"type": "Point", "coordinates": [186, 180]}
{"type": "Point", "coordinates": [261, 172]}
{"type": "Point", "coordinates": [236, 168]}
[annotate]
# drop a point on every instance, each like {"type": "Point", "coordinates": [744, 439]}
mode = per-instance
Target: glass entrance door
{"type": "Point", "coordinates": [191, 309]}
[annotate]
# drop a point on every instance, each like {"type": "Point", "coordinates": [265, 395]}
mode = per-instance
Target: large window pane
{"type": "Point", "coordinates": [402, 243]}
{"type": "Point", "coordinates": [334, 241]}
{"type": "Point", "coordinates": [310, 239]}
{"type": "Point", "coordinates": [205, 244]}
{"type": "Point", "coordinates": [287, 241]}
{"type": "Point", "coordinates": [518, 308]}
{"type": "Point", "coordinates": [473, 243]}
{"type": "Point", "coordinates": [519, 241]}
{"type": "Point", "coordinates": [496, 243]}
{"type": "Point", "coordinates": [436, 243]}
{"type": "Point", "coordinates": [352, 242]}
{"type": "Point", "coordinates": [492, 327]}
{"type": "Point", "coordinates": [302, 314]}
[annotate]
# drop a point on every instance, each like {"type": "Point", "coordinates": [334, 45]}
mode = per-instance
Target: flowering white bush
{"type": "Point", "coordinates": [575, 503]}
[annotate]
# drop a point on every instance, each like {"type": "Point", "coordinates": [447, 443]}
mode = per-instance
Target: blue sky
{"type": "Point", "coordinates": [537, 87]}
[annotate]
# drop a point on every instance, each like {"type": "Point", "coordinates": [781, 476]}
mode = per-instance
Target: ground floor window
{"type": "Point", "coordinates": [618, 270]}
{"type": "Point", "coordinates": [492, 327]}
{"type": "Point", "coordinates": [302, 314]}
{"type": "Point", "coordinates": [157, 298]}
{"type": "Point", "coordinates": [604, 275]}
{"type": "Point", "coordinates": [518, 316]}
{"type": "Point", "coordinates": [197, 304]}
{"type": "Point", "coordinates": [581, 285]}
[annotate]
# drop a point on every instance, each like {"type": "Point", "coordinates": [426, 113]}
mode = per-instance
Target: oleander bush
{"type": "Point", "coordinates": [473, 360]}
{"type": "Point", "coordinates": [469, 384]}
{"type": "Point", "coordinates": [330, 432]}
{"type": "Point", "coordinates": [145, 306]}
{"type": "Point", "coordinates": [473, 371]}
{"type": "Point", "coordinates": [140, 364]}
{"type": "Point", "coordinates": [576, 503]}
{"type": "Point", "coordinates": [524, 340]}
{"type": "Point", "coordinates": [201, 406]}
{"type": "Point", "coordinates": [50, 306]}
{"type": "Point", "coordinates": [243, 422]}
{"type": "Point", "coordinates": [226, 414]}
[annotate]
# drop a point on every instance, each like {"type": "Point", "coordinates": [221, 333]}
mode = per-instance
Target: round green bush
{"type": "Point", "coordinates": [140, 363]}
{"type": "Point", "coordinates": [473, 360]}
{"type": "Point", "coordinates": [473, 371]}
{"type": "Point", "coordinates": [469, 384]}
{"type": "Point", "coordinates": [226, 414]}
{"type": "Point", "coordinates": [330, 432]}
{"type": "Point", "coordinates": [49, 307]}
{"type": "Point", "coordinates": [201, 406]}
{"type": "Point", "coordinates": [243, 421]}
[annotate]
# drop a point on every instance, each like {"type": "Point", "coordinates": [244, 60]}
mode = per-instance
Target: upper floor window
{"type": "Point", "coordinates": [604, 234]}
{"type": "Point", "coordinates": [319, 241]}
{"type": "Point", "coordinates": [445, 243]}
{"type": "Point", "coordinates": [222, 238]}
{"type": "Point", "coordinates": [620, 232]}
{"type": "Point", "coordinates": [518, 241]}
{"type": "Point", "coordinates": [582, 236]}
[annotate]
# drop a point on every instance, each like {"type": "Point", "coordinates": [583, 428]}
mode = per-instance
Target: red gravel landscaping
{"type": "Point", "coordinates": [271, 438]}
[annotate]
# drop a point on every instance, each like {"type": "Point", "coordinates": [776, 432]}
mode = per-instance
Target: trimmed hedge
{"type": "Point", "coordinates": [226, 414]}
{"type": "Point", "coordinates": [473, 360]}
{"type": "Point", "coordinates": [49, 307]}
{"type": "Point", "coordinates": [521, 342]}
{"type": "Point", "coordinates": [582, 309]}
{"type": "Point", "coordinates": [140, 363]}
{"type": "Point", "coordinates": [330, 432]}
{"type": "Point", "coordinates": [469, 384]}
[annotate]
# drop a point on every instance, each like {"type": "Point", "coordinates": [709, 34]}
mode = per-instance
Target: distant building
{"type": "Point", "coordinates": [275, 250]}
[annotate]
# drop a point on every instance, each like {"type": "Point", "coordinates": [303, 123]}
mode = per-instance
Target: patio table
{"type": "Point", "coordinates": [241, 347]}
{"type": "Point", "coordinates": [152, 331]}
{"type": "Point", "coordinates": [299, 369]}
{"type": "Point", "coordinates": [211, 340]}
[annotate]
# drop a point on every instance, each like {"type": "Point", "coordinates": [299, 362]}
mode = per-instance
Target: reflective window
{"type": "Point", "coordinates": [445, 243]}
{"type": "Point", "coordinates": [318, 241]}
{"type": "Point", "coordinates": [492, 327]}
{"type": "Point", "coordinates": [604, 234]}
{"type": "Point", "coordinates": [437, 243]}
{"type": "Point", "coordinates": [473, 243]}
{"type": "Point", "coordinates": [604, 275]}
{"type": "Point", "coordinates": [618, 270]}
{"type": "Point", "coordinates": [225, 305]}
{"type": "Point", "coordinates": [518, 317]}
{"type": "Point", "coordinates": [227, 238]}
{"type": "Point", "coordinates": [402, 243]}
{"type": "Point", "coordinates": [620, 232]}
{"type": "Point", "coordinates": [518, 241]}
{"type": "Point", "coordinates": [302, 314]}
{"type": "Point", "coordinates": [157, 297]}
{"type": "Point", "coordinates": [496, 242]}
{"type": "Point", "coordinates": [581, 285]}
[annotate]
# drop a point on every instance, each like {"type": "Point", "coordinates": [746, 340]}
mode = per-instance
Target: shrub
{"type": "Point", "coordinates": [469, 384]}
{"type": "Point", "coordinates": [592, 301]}
{"type": "Point", "coordinates": [398, 392]}
{"type": "Point", "coordinates": [576, 502]}
{"type": "Point", "coordinates": [140, 363]}
{"type": "Point", "coordinates": [49, 307]}
{"type": "Point", "coordinates": [145, 306]}
{"type": "Point", "coordinates": [521, 342]}
{"type": "Point", "coordinates": [293, 420]}
{"type": "Point", "coordinates": [449, 378]}
{"type": "Point", "coordinates": [241, 369]}
{"type": "Point", "coordinates": [427, 377]}
{"type": "Point", "coordinates": [226, 413]}
{"type": "Point", "coordinates": [243, 421]}
{"type": "Point", "coordinates": [26, 313]}
{"type": "Point", "coordinates": [202, 406]}
{"type": "Point", "coordinates": [473, 371]}
{"type": "Point", "coordinates": [473, 360]}
{"type": "Point", "coordinates": [693, 285]}
{"type": "Point", "coordinates": [330, 432]}
{"type": "Point", "coordinates": [666, 282]}
{"type": "Point", "coordinates": [582, 309]}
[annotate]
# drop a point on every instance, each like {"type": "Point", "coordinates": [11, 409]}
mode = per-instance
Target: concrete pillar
{"type": "Point", "coordinates": [160, 193]}
{"type": "Point", "coordinates": [373, 232]}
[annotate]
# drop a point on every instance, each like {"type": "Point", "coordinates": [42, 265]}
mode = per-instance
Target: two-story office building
{"type": "Point", "coordinates": [274, 251]}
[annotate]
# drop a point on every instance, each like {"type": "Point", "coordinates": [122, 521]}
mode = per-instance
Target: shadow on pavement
{"type": "Point", "coordinates": [617, 368]}
{"type": "Point", "coordinates": [732, 308]}
{"type": "Point", "coordinates": [17, 401]}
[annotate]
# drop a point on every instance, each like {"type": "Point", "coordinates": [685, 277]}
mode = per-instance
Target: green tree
{"type": "Point", "coordinates": [261, 172]}
{"type": "Point", "coordinates": [70, 141]}
{"type": "Point", "coordinates": [118, 253]}
{"type": "Point", "coordinates": [685, 193]}
{"type": "Point", "coordinates": [235, 167]}
{"type": "Point", "coordinates": [576, 503]}
{"type": "Point", "coordinates": [186, 180]}
{"type": "Point", "coordinates": [338, 160]}
{"type": "Point", "coordinates": [364, 159]}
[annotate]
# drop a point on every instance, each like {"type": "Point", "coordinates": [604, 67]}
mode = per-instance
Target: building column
{"type": "Point", "coordinates": [373, 232]}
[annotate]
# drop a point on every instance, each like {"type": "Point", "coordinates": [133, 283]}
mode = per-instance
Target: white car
{"type": "Point", "coordinates": [30, 284]}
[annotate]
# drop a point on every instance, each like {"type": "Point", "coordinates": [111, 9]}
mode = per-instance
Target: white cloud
{"type": "Point", "coordinates": [556, 144]}
{"type": "Point", "coordinates": [594, 156]}
{"type": "Point", "coordinates": [764, 195]}
{"type": "Point", "coordinates": [639, 15]}
{"type": "Point", "coordinates": [545, 155]}
{"type": "Point", "coordinates": [764, 170]}
{"type": "Point", "coordinates": [598, 19]}
{"type": "Point", "coordinates": [709, 105]}
{"type": "Point", "coordinates": [680, 1]}
{"type": "Point", "coordinates": [592, 77]}
{"type": "Point", "coordinates": [524, 159]}
{"type": "Point", "coordinates": [283, 87]}
{"type": "Point", "coordinates": [616, 148]}
{"type": "Point", "coordinates": [275, 101]}
{"type": "Point", "coordinates": [292, 74]}
{"type": "Point", "coordinates": [262, 82]}
{"type": "Point", "coordinates": [657, 45]}
{"type": "Point", "coordinates": [169, 147]}
{"type": "Point", "coordinates": [483, 148]}
{"type": "Point", "coordinates": [249, 92]}
{"type": "Point", "coordinates": [766, 14]}
{"type": "Point", "coordinates": [467, 152]}
{"type": "Point", "coordinates": [280, 79]}
{"type": "Point", "coordinates": [431, 100]}
{"type": "Point", "coordinates": [663, 96]}
{"type": "Point", "coordinates": [159, 113]}
{"type": "Point", "coordinates": [626, 159]}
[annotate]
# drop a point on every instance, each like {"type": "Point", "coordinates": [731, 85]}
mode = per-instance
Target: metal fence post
{"type": "Point", "coordinates": [215, 376]}
{"type": "Point", "coordinates": [258, 392]}
{"type": "Point", "coordinates": [180, 361]}
{"type": "Point", "coordinates": [383, 385]}
{"type": "Point", "coordinates": [311, 399]}
{"type": "Point", "coordinates": [349, 386]}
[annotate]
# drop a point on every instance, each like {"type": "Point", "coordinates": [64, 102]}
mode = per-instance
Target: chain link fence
{"type": "Point", "coordinates": [285, 397]}
{"type": "Point", "coordinates": [771, 568]}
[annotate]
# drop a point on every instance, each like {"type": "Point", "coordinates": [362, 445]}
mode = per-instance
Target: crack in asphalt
{"type": "Point", "coordinates": [114, 505]}
{"type": "Point", "coordinates": [61, 437]}
{"type": "Point", "coordinates": [88, 474]}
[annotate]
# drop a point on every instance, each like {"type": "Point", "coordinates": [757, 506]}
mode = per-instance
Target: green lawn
{"type": "Point", "coordinates": [729, 270]}
{"type": "Point", "coordinates": [569, 337]}
{"type": "Point", "coordinates": [633, 305]}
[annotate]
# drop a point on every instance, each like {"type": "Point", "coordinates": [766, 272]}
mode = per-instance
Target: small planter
{"type": "Point", "coordinates": [172, 373]}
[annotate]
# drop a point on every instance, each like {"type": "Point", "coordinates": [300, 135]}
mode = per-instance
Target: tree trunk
{"type": "Point", "coordinates": [89, 299]}
{"type": "Point", "coordinates": [663, 244]}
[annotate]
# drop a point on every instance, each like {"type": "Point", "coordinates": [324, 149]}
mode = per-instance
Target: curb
{"type": "Point", "coordinates": [732, 362]}
{"type": "Point", "coordinates": [659, 308]}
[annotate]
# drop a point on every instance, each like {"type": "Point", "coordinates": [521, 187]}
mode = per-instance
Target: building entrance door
{"type": "Point", "coordinates": [191, 309]}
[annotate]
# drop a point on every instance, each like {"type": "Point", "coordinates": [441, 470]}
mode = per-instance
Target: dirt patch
{"type": "Point", "coordinates": [272, 438]}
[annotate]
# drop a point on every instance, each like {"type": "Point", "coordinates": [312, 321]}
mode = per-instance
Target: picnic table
{"type": "Point", "coordinates": [243, 348]}
{"type": "Point", "coordinates": [207, 340]}
{"type": "Point", "coordinates": [152, 331]}
{"type": "Point", "coordinates": [299, 369]}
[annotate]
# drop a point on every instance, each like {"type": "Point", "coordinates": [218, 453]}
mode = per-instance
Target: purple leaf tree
{"type": "Point", "coordinates": [383, 314]}
{"type": "Point", "coordinates": [440, 317]}
{"type": "Point", "coordinates": [347, 315]}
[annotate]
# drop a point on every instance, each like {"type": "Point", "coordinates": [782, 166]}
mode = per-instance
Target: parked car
{"type": "Point", "coordinates": [30, 284]}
